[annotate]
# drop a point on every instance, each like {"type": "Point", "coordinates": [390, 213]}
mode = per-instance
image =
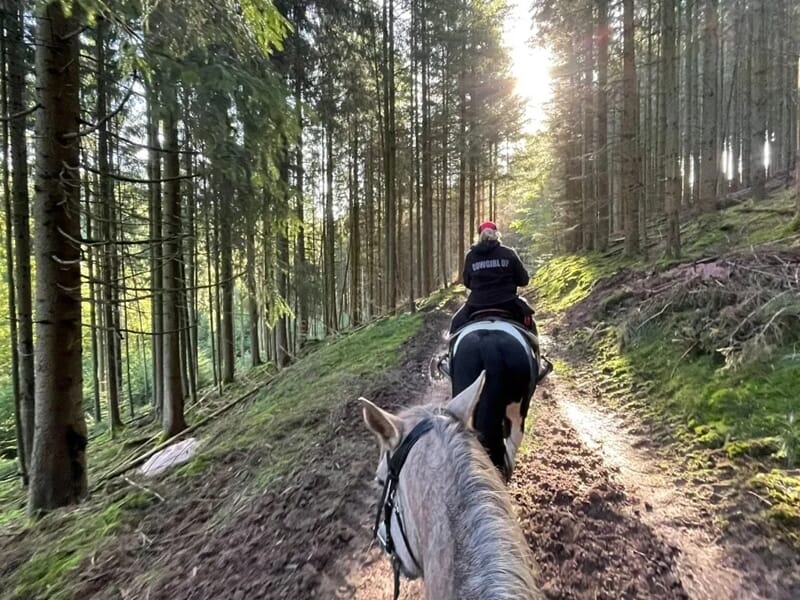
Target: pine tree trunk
{"type": "Point", "coordinates": [690, 76]}
{"type": "Point", "coordinates": [156, 264]}
{"type": "Point", "coordinates": [282, 273]}
{"type": "Point", "coordinates": [445, 199]}
{"type": "Point", "coordinates": [709, 168]}
{"type": "Point", "coordinates": [252, 296]}
{"type": "Point", "coordinates": [427, 175]}
{"type": "Point", "coordinates": [21, 214]}
{"type": "Point", "coordinates": [93, 301]}
{"type": "Point", "coordinates": [390, 177]}
{"type": "Point", "coordinates": [106, 219]}
{"type": "Point", "coordinates": [189, 267]}
{"type": "Point", "coordinates": [601, 103]}
{"type": "Point", "coordinates": [330, 235]}
{"type": "Point", "coordinates": [58, 463]}
{"type": "Point", "coordinates": [588, 217]}
{"type": "Point", "coordinates": [671, 128]}
{"type": "Point", "coordinates": [301, 269]}
{"type": "Point", "coordinates": [370, 201]}
{"type": "Point", "coordinates": [631, 157]}
{"type": "Point", "coordinates": [355, 237]}
{"type": "Point", "coordinates": [226, 342]}
{"type": "Point", "coordinates": [462, 173]}
{"type": "Point", "coordinates": [212, 283]}
{"type": "Point", "coordinates": [173, 421]}
{"type": "Point", "coordinates": [758, 126]}
{"type": "Point", "coordinates": [22, 458]}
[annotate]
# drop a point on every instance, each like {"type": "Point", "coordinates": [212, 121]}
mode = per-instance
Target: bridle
{"type": "Point", "coordinates": [388, 508]}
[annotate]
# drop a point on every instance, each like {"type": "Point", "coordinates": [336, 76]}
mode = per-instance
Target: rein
{"type": "Point", "coordinates": [387, 508]}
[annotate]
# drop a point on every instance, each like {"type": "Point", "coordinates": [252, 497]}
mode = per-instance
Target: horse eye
{"type": "Point", "coordinates": [380, 480]}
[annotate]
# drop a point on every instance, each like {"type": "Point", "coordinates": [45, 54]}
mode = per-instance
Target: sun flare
{"type": "Point", "coordinates": [530, 65]}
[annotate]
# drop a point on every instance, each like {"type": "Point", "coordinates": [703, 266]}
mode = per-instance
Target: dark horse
{"type": "Point", "coordinates": [510, 357]}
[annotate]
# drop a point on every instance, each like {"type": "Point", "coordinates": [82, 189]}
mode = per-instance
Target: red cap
{"type": "Point", "coordinates": [487, 225]}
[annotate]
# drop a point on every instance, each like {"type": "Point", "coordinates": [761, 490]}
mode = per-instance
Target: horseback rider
{"type": "Point", "coordinates": [492, 273]}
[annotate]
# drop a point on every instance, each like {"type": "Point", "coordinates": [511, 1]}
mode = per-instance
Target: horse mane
{"type": "Point", "coordinates": [492, 560]}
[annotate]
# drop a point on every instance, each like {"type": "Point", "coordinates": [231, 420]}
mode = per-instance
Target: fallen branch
{"type": "Point", "coordinates": [144, 489]}
{"type": "Point", "coordinates": [135, 462]}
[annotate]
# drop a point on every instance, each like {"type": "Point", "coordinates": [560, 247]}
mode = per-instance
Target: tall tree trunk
{"type": "Point", "coordinates": [189, 264]}
{"type": "Point", "coordinates": [709, 168]}
{"type": "Point", "coordinates": [58, 463]}
{"type": "Point", "coordinates": [173, 420]}
{"type": "Point", "coordinates": [796, 59]}
{"type": "Point", "coordinates": [252, 296]}
{"type": "Point", "coordinates": [212, 289]}
{"type": "Point", "coordinates": [390, 158]}
{"type": "Point", "coordinates": [301, 269]}
{"type": "Point", "coordinates": [427, 175]}
{"type": "Point", "coordinates": [282, 270]}
{"type": "Point", "coordinates": [631, 157]}
{"type": "Point", "coordinates": [106, 217]}
{"type": "Point", "coordinates": [445, 200]}
{"type": "Point", "coordinates": [330, 236]}
{"type": "Point", "coordinates": [690, 75]}
{"type": "Point", "coordinates": [355, 237]}
{"type": "Point", "coordinates": [156, 265]}
{"type": "Point", "coordinates": [601, 103]}
{"type": "Point", "coordinates": [671, 128]}
{"type": "Point", "coordinates": [93, 301]}
{"type": "Point", "coordinates": [758, 126]}
{"type": "Point", "coordinates": [370, 200]}
{"type": "Point", "coordinates": [589, 212]}
{"type": "Point", "coordinates": [462, 172]}
{"type": "Point", "coordinates": [21, 213]}
{"type": "Point", "coordinates": [22, 458]}
{"type": "Point", "coordinates": [227, 342]}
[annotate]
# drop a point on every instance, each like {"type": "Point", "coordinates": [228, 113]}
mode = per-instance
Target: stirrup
{"type": "Point", "coordinates": [444, 365]}
{"type": "Point", "coordinates": [548, 368]}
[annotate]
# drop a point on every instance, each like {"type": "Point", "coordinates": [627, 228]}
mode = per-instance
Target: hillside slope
{"type": "Point", "coordinates": [706, 349]}
{"type": "Point", "coordinates": [264, 506]}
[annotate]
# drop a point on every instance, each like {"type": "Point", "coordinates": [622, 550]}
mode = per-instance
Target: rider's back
{"type": "Point", "coordinates": [493, 272]}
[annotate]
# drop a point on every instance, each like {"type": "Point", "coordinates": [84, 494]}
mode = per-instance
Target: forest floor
{"type": "Point", "coordinates": [629, 484]}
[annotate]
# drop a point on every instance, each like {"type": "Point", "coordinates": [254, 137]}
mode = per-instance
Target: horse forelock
{"type": "Point", "coordinates": [491, 559]}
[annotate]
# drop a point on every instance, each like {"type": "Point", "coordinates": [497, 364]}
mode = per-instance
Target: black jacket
{"type": "Point", "coordinates": [493, 272]}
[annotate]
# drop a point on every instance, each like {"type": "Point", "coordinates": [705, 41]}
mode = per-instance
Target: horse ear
{"type": "Point", "coordinates": [463, 405]}
{"type": "Point", "coordinates": [384, 424]}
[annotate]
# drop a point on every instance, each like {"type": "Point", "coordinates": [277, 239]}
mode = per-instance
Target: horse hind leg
{"type": "Point", "coordinates": [516, 431]}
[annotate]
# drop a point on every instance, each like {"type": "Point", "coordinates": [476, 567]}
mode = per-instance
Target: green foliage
{"type": "Point", "coordinates": [45, 573]}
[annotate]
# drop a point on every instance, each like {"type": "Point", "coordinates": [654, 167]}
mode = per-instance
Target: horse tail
{"type": "Point", "coordinates": [508, 379]}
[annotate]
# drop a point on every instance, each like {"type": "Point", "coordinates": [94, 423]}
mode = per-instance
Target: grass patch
{"type": "Point", "coordinates": [63, 540]}
{"type": "Point", "coordinates": [295, 409]}
{"type": "Point", "coordinates": [566, 280]}
{"type": "Point", "coordinates": [741, 226]}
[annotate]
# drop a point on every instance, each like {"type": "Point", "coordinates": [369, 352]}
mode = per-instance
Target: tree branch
{"type": "Point", "coordinates": [21, 114]}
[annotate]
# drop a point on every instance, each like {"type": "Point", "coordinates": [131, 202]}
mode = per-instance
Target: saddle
{"type": "Point", "coordinates": [498, 314]}
{"type": "Point", "coordinates": [495, 314]}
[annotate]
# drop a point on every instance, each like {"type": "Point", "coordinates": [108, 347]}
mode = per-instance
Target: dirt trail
{"type": "Point", "coordinates": [603, 516]}
{"type": "Point", "coordinates": [606, 517]}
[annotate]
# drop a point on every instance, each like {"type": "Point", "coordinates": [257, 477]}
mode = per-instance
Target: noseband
{"type": "Point", "coordinates": [387, 508]}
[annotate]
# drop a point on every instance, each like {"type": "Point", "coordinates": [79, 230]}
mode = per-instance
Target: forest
{"type": "Point", "coordinates": [199, 194]}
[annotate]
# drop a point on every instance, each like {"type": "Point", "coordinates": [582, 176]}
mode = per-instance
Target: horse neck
{"type": "Point", "coordinates": [466, 534]}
